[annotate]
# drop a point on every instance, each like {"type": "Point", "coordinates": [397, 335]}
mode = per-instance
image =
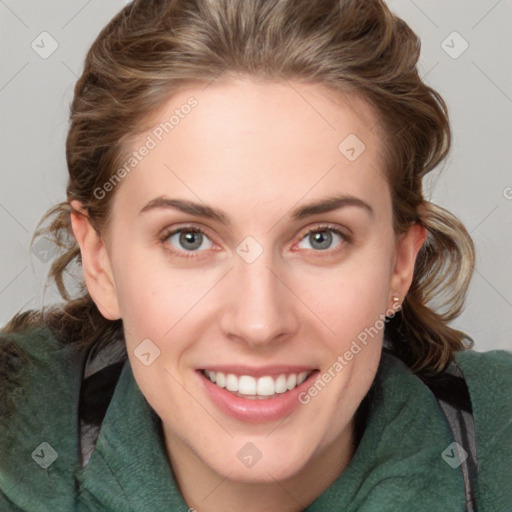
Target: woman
{"type": "Point", "coordinates": [255, 262]}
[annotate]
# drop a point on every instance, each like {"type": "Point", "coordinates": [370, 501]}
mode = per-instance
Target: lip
{"type": "Point", "coordinates": [255, 410]}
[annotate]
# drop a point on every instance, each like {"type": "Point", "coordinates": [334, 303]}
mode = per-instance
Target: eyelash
{"type": "Point", "coordinates": [192, 229]}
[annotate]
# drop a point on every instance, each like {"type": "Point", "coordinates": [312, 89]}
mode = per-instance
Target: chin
{"type": "Point", "coordinates": [261, 472]}
{"type": "Point", "coordinates": [257, 459]}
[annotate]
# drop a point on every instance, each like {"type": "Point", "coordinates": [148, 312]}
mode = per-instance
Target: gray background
{"type": "Point", "coordinates": [476, 182]}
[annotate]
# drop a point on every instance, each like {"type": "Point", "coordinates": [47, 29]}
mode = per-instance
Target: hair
{"type": "Point", "coordinates": [153, 48]}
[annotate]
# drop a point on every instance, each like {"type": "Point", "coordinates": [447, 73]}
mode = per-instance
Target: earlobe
{"type": "Point", "coordinates": [407, 249]}
{"type": "Point", "coordinates": [95, 263]}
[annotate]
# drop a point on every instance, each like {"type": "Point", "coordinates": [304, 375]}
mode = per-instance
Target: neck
{"type": "Point", "coordinates": [205, 490]}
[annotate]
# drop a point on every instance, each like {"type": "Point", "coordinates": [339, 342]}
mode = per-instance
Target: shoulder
{"type": "Point", "coordinates": [40, 379]}
{"type": "Point", "coordinates": [19, 352]}
{"type": "Point", "coordinates": [489, 379]}
{"type": "Point", "coordinates": [25, 357]}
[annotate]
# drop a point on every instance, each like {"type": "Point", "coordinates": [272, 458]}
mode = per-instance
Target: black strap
{"type": "Point", "coordinates": [101, 374]}
{"type": "Point", "coordinates": [452, 394]}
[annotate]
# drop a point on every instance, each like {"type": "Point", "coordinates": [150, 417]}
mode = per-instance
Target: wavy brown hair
{"type": "Point", "coordinates": [152, 48]}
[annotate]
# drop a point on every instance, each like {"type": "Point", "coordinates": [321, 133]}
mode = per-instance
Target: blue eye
{"type": "Point", "coordinates": [321, 238]}
{"type": "Point", "coordinates": [188, 240]}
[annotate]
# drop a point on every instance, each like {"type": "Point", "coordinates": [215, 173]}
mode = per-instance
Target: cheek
{"type": "Point", "coordinates": [144, 294]}
{"type": "Point", "coordinates": [352, 296]}
{"type": "Point", "coordinates": [159, 302]}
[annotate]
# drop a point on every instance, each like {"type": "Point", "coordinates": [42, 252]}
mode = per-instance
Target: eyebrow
{"type": "Point", "coordinates": [326, 205]}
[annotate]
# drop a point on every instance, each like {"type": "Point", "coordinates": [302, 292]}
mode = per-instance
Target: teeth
{"type": "Point", "coordinates": [252, 387]}
{"type": "Point", "coordinates": [221, 380]}
{"type": "Point", "coordinates": [301, 378]}
{"type": "Point", "coordinates": [291, 382]}
{"type": "Point", "coordinates": [231, 382]}
{"type": "Point", "coordinates": [280, 384]}
{"type": "Point", "coordinates": [266, 386]}
{"type": "Point", "coordinates": [247, 385]}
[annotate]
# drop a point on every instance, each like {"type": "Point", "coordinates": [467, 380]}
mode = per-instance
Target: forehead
{"type": "Point", "coordinates": [250, 141]}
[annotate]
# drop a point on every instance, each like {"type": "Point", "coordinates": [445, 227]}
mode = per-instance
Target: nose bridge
{"type": "Point", "coordinates": [259, 307]}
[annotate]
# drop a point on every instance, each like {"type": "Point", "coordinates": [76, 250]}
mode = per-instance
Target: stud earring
{"type": "Point", "coordinates": [396, 303]}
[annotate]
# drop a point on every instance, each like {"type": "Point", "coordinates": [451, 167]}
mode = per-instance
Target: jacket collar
{"type": "Point", "coordinates": [397, 461]}
{"type": "Point", "coordinates": [129, 469]}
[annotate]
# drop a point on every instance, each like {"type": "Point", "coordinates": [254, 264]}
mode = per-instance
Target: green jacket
{"type": "Point", "coordinates": [398, 465]}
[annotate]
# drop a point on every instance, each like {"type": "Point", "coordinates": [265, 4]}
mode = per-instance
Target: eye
{"type": "Point", "coordinates": [186, 239]}
{"type": "Point", "coordinates": [321, 238]}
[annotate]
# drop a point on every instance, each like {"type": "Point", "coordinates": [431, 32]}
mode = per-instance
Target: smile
{"type": "Point", "coordinates": [265, 387]}
{"type": "Point", "coordinates": [256, 395]}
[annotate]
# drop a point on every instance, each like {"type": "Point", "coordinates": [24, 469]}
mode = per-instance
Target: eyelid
{"type": "Point", "coordinates": [327, 226]}
{"type": "Point", "coordinates": [169, 231]}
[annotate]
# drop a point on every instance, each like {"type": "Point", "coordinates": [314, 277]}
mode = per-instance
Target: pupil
{"type": "Point", "coordinates": [190, 239]}
{"type": "Point", "coordinates": [324, 238]}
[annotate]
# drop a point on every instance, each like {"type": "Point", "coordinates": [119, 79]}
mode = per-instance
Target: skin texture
{"type": "Point", "coordinates": [256, 150]}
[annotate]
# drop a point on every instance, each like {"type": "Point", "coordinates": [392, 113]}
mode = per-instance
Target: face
{"type": "Point", "coordinates": [252, 245]}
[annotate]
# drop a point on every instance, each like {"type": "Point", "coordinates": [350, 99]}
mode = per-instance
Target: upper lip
{"type": "Point", "coordinates": [260, 371]}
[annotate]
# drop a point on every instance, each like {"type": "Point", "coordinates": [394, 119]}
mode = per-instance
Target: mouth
{"type": "Point", "coordinates": [257, 388]}
{"type": "Point", "coordinates": [256, 396]}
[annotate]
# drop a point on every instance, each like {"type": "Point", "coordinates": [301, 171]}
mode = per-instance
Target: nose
{"type": "Point", "coordinates": [259, 308]}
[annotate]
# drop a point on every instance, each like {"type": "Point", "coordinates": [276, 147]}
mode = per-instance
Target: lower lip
{"type": "Point", "coordinates": [255, 410]}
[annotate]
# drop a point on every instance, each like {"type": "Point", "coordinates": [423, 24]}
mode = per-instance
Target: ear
{"type": "Point", "coordinates": [95, 262]}
{"type": "Point", "coordinates": [407, 248]}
